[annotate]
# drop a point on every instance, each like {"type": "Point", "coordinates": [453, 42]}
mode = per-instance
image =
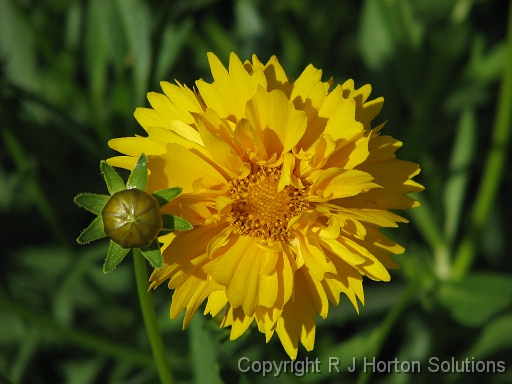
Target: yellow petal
{"type": "Point", "coordinates": [284, 267]}
{"type": "Point", "coordinates": [196, 210]}
{"type": "Point", "coordinates": [382, 148]}
{"type": "Point", "coordinates": [267, 320]}
{"type": "Point", "coordinates": [216, 302]}
{"type": "Point", "coordinates": [338, 249]}
{"type": "Point", "coordinates": [190, 295]}
{"type": "Point", "coordinates": [317, 293]}
{"type": "Point", "coordinates": [166, 136]}
{"type": "Point", "coordinates": [268, 287]}
{"type": "Point", "coordinates": [184, 167]}
{"type": "Point", "coordinates": [374, 269]}
{"type": "Point", "coordinates": [394, 175]}
{"type": "Point", "coordinates": [152, 145]}
{"type": "Point", "coordinates": [150, 118]}
{"type": "Point", "coordinates": [185, 131]}
{"type": "Point", "coordinates": [276, 121]}
{"type": "Point", "coordinates": [378, 199]}
{"type": "Point", "coordinates": [247, 138]}
{"type": "Point", "coordinates": [333, 229]}
{"type": "Point", "coordinates": [134, 146]}
{"type": "Point", "coordinates": [287, 176]}
{"type": "Point", "coordinates": [316, 124]}
{"type": "Point", "coordinates": [183, 248]}
{"type": "Point", "coordinates": [381, 247]}
{"type": "Point", "coordinates": [308, 80]}
{"type": "Point", "coordinates": [274, 73]}
{"type": "Point", "coordinates": [365, 111]}
{"type": "Point", "coordinates": [349, 154]}
{"type": "Point", "coordinates": [340, 115]}
{"type": "Point", "coordinates": [347, 280]}
{"type": "Point", "coordinates": [184, 102]}
{"type": "Point", "coordinates": [315, 260]}
{"type": "Point", "coordinates": [228, 263]}
{"type": "Point", "coordinates": [297, 321]}
{"type": "Point", "coordinates": [163, 106]}
{"type": "Point", "coordinates": [379, 217]}
{"type": "Point", "coordinates": [220, 151]}
{"type": "Point", "coordinates": [125, 162]}
{"type": "Point", "coordinates": [239, 270]}
{"type": "Point", "coordinates": [231, 90]}
{"type": "Point", "coordinates": [218, 241]}
{"type": "Point", "coordinates": [322, 152]}
{"type": "Point", "coordinates": [335, 183]}
{"type": "Point", "coordinates": [238, 320]}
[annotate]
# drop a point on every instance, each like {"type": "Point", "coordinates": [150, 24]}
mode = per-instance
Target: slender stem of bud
{"type": "Point", "coordinates": [150, 320]}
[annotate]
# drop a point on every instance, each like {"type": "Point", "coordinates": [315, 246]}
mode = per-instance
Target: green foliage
{"type": "Point", "coordinates": [115, 255]}
{"type": "Point", "coordinates": [139, 176]}
{"type": "Point", "coordinates": [113, 181]}
{"type": "Point", "coordinates": [474, 300]}
{"type": "Point", "coordinates": [72, 73]}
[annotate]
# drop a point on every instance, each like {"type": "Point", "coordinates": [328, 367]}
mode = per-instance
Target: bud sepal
{"type": "Point", "coordinates": [130, 216]}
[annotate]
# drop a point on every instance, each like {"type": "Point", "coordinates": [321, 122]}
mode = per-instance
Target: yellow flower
{"type": "Point", "coordinates": [286, 185]}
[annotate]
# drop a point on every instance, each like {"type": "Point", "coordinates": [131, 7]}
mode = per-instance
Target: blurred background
{"type": "Point", "coordinates": [73, 71]}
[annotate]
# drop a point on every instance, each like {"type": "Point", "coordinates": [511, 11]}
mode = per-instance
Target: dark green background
{"type": "Point", "coordinates": [71, 75]}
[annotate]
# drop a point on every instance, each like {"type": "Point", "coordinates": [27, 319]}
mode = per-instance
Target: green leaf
{"type": "Point", "coordinates": [115, 255]}
{"type": "Point", "coordinates": [139, 176]}
{"type": "Point", "coordinates": [475, 299]}
{"type": "Point", "coordinates": [376, 42]}
{"type": "Point", "coordinates": [486, 65]}
{"type": "Point", "coordinates": [92, 202]}
{"type": "Point", "coordinates": [153, 254]}
{"type": "Point", "coordinates": [173, 40]}
{"type": "Point", "coordinates": [163, 196]}
{"type": "Point", "coordinates": [427, 223]}
{"type": "Point", "coordinates": [173, 223]}
{"type": "Point", "coordinates": [221, 38]}
{"type": "Point", "coordinates": [137, 24]}
{"type": "Point", "coordinates": [96, 45]}
{"type": "Point", "coordinates": [112, 179]}
{"type": "Point", "coordinates": [82, 371]}
{"type": "Point", "coordinates": [204, 353]}
{"type": "Point", "coordinates": [93, 232]}
{"type": "Point", "coordinates": [18, 47]}
{"type": "Point", "coordinates": [495, 337]}
{"type": "Point", "coordinates": [343, 355]}
{"type": "Point", "coordinates": [456, 186]}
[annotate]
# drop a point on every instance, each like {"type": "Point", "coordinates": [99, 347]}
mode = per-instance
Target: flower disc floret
{"type": "Point", "coordinates": [259, 209]}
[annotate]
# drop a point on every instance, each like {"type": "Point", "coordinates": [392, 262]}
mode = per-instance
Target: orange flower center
{"type": "Point", "coordinates": [259, 210]}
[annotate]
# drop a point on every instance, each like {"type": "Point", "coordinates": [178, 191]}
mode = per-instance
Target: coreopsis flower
{"type": "Point", "coordinates": [286, 185]}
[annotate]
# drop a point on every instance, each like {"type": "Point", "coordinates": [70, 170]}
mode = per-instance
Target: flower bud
{"type": "Point", "coordinates": [132, 218]}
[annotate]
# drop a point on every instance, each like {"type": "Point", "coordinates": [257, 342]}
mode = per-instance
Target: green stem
{"type": "Point", "coordinates": [150, 321]}
{"type": "Point", "coordinates": [386, 327]}
{"type": "Point", "coordinates": [493, 171]}
{"type": "Point", "coordinates": [28, 347]}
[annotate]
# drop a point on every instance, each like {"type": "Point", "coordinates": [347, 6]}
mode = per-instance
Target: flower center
{"type": "Point", "coordinates": [259, 210]}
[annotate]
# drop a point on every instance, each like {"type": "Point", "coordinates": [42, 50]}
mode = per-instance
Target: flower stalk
{"type": "Point", "coordinates": [150, 320]}
{"type": "Point", "coordinates": [387, 325]}
{"type": "Point", "coordinates": [132, 219]}
{"type": "Point", "coordinates": [493, 171]}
